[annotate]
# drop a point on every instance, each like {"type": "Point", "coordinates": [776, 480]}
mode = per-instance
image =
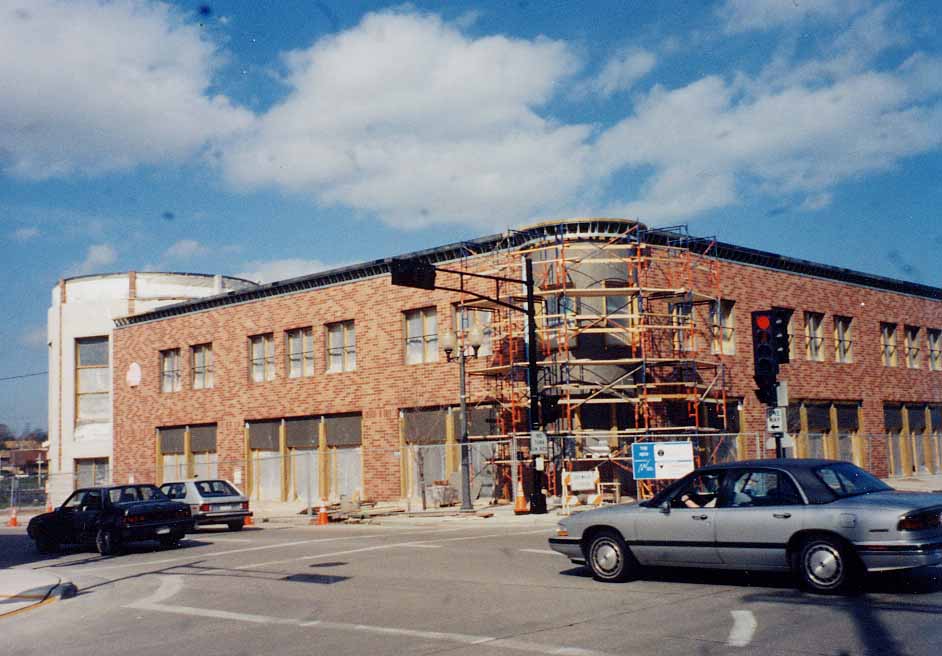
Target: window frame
{"type": "Point", "coordinates": [814, 336]}
{"type": "Point", "coordinates": [889, 350]}
{"type": "Point", "coordinates": [173, 374]}
{"type": "Point", "coordinates": [934, 339]}
{"type": "Point", "coordinates": [304, 357]}
{"type": "Point", "coordinates": [913, 346]}
{"type": "Point", "coordinates": [723, 327]}
{"type": "Point", "coordinates": [729, 490]}
{"type": "Point", "coordinates": [201, 376]}
{"type": "Point", "coordinates": [684, 337]}
{"type": "Point", "coordinates": [843, 339]}
{"type": "Point", "coordinates": [79, 367]}
{"type": "Point", "coordinates": [347, 351]}
{"type": "Point", "coordinates": [267, 359]}
{"type": "Point", "coordinates": [429, 340]}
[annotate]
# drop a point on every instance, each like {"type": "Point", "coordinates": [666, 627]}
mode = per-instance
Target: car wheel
{"type": "Point", "coordinates": [45, 544]}
{"type": "Point", "coordinates": [106, 542]}
{"type": "Point", "coordinates": [236, 526]}
{"type": "Point", "coordinates": [170, 541]}
{"type": "Point", "coordinates": [609, 558]}
{"type": "Point", "coordinates": [826, 565]}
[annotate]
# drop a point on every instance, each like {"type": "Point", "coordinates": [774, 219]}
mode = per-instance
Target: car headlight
{"type": "Point", "coordinates": [562, 531]}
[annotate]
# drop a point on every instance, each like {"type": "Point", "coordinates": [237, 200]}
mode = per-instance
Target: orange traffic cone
{"type": "Point", "coordinates": [248, 521]}
{"type": "Point", "coordinates": [12, 523]}
{"type": "Point", "coordinates": [322, 518]}
{"type": "Point", "coordinates": [48, 506]}
{"type": "Point", "coordinates": [520, 504]}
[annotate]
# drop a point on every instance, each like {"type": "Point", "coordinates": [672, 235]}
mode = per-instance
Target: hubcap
{"type": "Point", "coordinates": [823, 564]}
{"type": "Point", "coordinates": [606, 557]}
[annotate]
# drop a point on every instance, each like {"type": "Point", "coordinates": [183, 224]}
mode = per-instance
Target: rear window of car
{"type": "Point", "coordinates": [135, 493]}
{"type": "Point", "coordinates": [847, 480]}
{"type": "Point", "coordinates": [216, 489]}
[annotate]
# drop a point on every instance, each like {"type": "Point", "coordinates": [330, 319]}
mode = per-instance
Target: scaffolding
{"type": "Point", "coordinates": [628, 336]}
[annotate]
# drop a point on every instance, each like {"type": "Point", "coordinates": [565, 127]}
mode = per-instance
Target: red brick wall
{"type": "Point", "coordinates": [382, 383]}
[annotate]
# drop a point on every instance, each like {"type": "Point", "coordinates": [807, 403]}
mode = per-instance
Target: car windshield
{"type": "Point", "coordinates": [135, 493]}
{"type": "Point", "coordinates": [216, 489]}
{"type": "Point", "coordinates": [847, 480]}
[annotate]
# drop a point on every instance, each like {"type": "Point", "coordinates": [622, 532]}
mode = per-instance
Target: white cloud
{"type": "Point", "coordinates": [185, 249]}
{"type": "Point", "coordinates": [97, 257]}
{"type": "Point", "coordinates": [816, 202]}
{"type": "Point", "coordinates": [25, 234]}
{"type": "Point", "coordinates": [622, 71]}
{"type": "Point", "coordinates": [746, 15]}
{"type": "Point", "coordinates": [35, 337]}
{"type": "Point", "coordinates": [272, 270]}
{"type": "Point", "coordinates": [406, 118]}
{"type": "Point", "coordinates": [90, 87]}
{"type": "Point", "coordinates": [799, 132]}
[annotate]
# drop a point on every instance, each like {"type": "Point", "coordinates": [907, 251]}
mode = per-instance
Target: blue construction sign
{"type": "Point", "coordinates": [642, 457]}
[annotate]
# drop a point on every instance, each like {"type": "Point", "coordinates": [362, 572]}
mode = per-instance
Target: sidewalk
{"type": "Point", "coordinates": [920, 483]}
{"type": "Point", "coordinates": [23, 588]}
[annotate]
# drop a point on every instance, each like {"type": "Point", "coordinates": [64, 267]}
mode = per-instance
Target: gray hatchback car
{"type": "Point", "coordinates": [211, 501]}
{"type": "Point", "coordinates": [827, 521]}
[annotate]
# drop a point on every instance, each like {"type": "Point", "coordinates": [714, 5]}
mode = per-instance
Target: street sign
{"type": "Point", "coordinates": [661, 460]}
{"type": "Point", "coordinates": [788, 442]}
{"type": "Point", "coordinates": [583, 481]}
{"type": "Point", "coordinates": [538, 443]}
{"type": "Point", "coordinates": [775, 420]}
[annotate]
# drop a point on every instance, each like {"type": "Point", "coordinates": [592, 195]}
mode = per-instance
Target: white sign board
{"type": "Point", "coordinates": [583, 481]}
{"type": "Point", "coordinates": [673, 459]}
{"type": "Point", "coordinates": [538, 443]}
{"type": "Point", "coordinates": [775, 420]}
{"type": "Point", "coordinates": [788, 442]}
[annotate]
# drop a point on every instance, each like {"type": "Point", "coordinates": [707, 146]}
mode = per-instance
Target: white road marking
{"type": "Point", "coordinates": [171, 585]}
{"type": "Point", "coordinates": [380, 547]}
{"type": "Point", "coordinates": [549, 552]}
{"type": "Point", "coordinates": [744, 627]}
{"type": "Point", "coordinates": [95, 567]}
{"type": "Point", "coordinates": [214, 540]}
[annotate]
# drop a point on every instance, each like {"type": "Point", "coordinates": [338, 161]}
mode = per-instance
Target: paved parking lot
{"type": "Point", "coordinates": [455, 588]}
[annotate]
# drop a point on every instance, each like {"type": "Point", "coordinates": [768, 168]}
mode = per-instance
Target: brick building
{"type": "Point", "coordinates": [642, 333]}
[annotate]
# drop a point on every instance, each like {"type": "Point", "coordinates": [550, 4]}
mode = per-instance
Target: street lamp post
{"type": "Point", "coordinates": [449, 341]}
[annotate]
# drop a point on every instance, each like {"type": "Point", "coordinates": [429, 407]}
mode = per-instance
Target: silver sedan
{"type": "Point", "coordinates": [827, 521]}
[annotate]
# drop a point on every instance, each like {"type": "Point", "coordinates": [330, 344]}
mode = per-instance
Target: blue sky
{"type": "Point", "coordinates": [274, 139]}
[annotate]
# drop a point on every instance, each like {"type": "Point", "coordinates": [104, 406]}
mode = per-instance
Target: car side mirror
{"type": "Point", "coordinates": [665, 507]}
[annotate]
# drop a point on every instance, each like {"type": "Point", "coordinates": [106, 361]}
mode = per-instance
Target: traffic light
{"type": "Point", "coordinates": [780, 335]}
{"type": "Point", "coordinates": [764, 344]}
{"type": "Point", "coordinates": [412, 273]}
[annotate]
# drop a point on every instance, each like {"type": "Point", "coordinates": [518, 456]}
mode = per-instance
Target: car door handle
{"type": "Point", "coordinates": [781, 515]}
{"type": "Point", "coordinates": [700, 517]}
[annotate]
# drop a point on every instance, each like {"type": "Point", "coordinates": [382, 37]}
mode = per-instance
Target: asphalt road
{"type": "Point", "coordinates": [453, 589]}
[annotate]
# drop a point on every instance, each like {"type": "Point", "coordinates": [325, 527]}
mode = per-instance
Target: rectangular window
{"type": "Point", "coordinates": [201, 362]}
{"type": "Point", "coordinates": [470, 318]}
{"type": "Point", "coordinates": [299, 348]}
{"type": "Point", "coordinates": [814, 336]}
{"type": "Point", "coordinates": [843, 339]}
{"type": "Point", "coordinates": [913, 359]}
{"type": "Point", "coordinates": [92, 380]}
{"type": "Point", "coordinates": [262, 357]}
{"type": "Point", "coordinates": [723, 323]}
{"type": "Point", "coordinates": [935, 349]}
{"type": "Point", "coordinates": [91, 472]}
{"type": "Point", "coordinates": [888, 344]}
{"type": "Point", "coordinates": [421, 327]}
{"type": "Point", "coordinates": [682, 326]}
{"type": "Point", "coordinates": [341, 346]}
{"type": "Point", "coordinates": [170, 374]}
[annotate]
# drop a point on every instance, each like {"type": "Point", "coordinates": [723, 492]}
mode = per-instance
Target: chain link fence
{"type": "Point", "coordinates": [429, 474]}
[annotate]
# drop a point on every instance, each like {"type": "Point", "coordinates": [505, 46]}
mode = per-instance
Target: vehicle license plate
{"type": "Point", "coordinates": [163, 530]}
{"type": "Point", "coordinates": [227, 506]}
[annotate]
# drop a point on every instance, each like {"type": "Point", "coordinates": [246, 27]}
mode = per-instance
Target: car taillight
{"type": "Point", "coordinates": [245, 505]}
{"type": "Point", "coordinates": [920, 521]}
{"type": "Point", "coordinates": [204, 507]}
{"type": "Point", "coordinates": [135, 519]}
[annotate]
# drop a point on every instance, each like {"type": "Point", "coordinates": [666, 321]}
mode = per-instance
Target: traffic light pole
{"type": "Point", "coordinates": [537, 498]}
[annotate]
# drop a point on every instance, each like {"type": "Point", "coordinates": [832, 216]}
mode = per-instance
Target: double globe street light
{"type": "Point", "coordinates": [450, 343]}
